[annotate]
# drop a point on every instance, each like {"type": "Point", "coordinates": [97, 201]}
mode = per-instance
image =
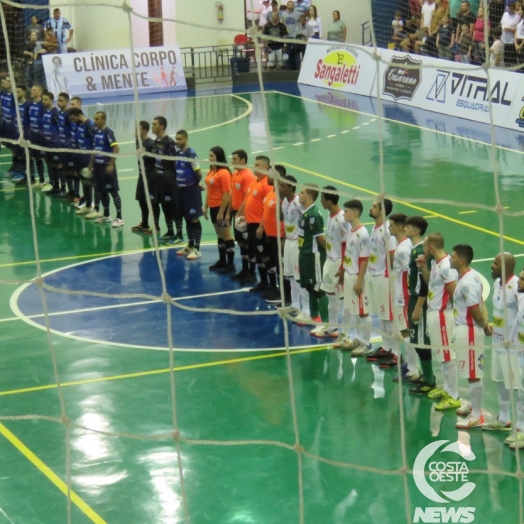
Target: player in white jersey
{"type": "Point", "coordinates": [517, 338]}
{"type": "Point", "coordinates": [381, 300]}
{"type": "Point", "coordinates": [471, 324]}
{"type": "Point", "coordinates": [504, 357]}
{"type": "Point", "coordinates": [441, 280]}
{"type": "Point", "coordinates": [336, 232]}
{"type": "Point", "coordinates": [291, 210]}
{"type": "Point", "coordinates": [353, 276]}
{"type": "Point", "coordinates": [400, 270]}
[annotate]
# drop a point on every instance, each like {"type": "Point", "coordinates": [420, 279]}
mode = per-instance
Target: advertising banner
{"type": "Point", "coordinates": [109, 73]}
{"type": "Point", "coordinates": [340, 68]}
{"type": "Point", "coordinates": [436, 85]}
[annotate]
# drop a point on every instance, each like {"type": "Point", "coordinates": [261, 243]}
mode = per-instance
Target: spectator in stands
{"type": "Point", "coordinates": [496, 51]}
{"type": "Point", "coordinates": [509, 22]}
{"type": "Point", "coordinates": [465, 44]}
{"type": "Point", "coordinates": [32, 53]}
{"type": "Point", "coordinates": [445, 39]}
{"type": "Point", "coordinates": [398, 28]}
{"type": "Point", "coordinates": [50, 43]}
{"type": "Point", "coordinates": [496, 9]}
{"type": "Point", "coordinates": [253, 17]}
{"type": "Point", "coordinates": [465, 16]}
{"type": "Point", "coordinates": [427, 13]}
{"type": "Point", "coordinates": [36, 27]}
{"type": "Point", "coordinates": [420, 42]}
{"type": "Point", "coordinates": [304, 32]}
{"type": "Point", "coordinates": [414, 7]}
{"type": "Point", "coordinates": [60, 27]}
{"type": "Point", "coordinates": [290, 18]}
{"type": "Point", "coordinates": [412, 34]}
{"type": "Point", "coordinates": [302, 7]}
{"type": "Point", "coordinates": [336, 31]}
{"type": "Point", "coordinates": [479, 40]}
{"type": "Point", "coordinates": [264, 13]}
{"type": "Point", "coordinates": [519, 41]}
{"type": "Point", "coordinates": [441, 10]}
{"type": "Point", "coordinates": [314, 22]}
{"type": "Point", "coordinates": [275, 28]}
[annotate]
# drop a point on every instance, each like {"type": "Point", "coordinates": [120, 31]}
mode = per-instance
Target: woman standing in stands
{"type": "Point", "coordinates": [218, 183]}
{"type": "Point", "coordinates": [336, 31]}
{"type": "Point", "coordinates": [479, 45]}
{"type": "Point", "coordinates": [315, 22]}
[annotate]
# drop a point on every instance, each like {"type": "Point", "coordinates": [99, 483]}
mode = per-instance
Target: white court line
{"type": "Point", "coordinates": [331, 136]}
{"type": "Point", "coordinates": [315, 140]}
{"type": "Point", "coordinates": [299, 144]}
{"type": "Point", "coordinates": [490, 259]}
{"type": "Point", "coordinates": [344, 132]}
{"type": "Point", "coordinates": [124, 170]}
{"type": "Point", "coordinates": [128, 304]}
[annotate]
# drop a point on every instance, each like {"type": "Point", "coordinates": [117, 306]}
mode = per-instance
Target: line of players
{"type": "Point", "coordinates": [434, 303]}
{"type": "Point", "coordinates": [51, 128]}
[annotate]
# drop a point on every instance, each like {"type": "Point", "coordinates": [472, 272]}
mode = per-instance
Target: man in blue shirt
{"type": "Point", "coordinates": [67, 161]}
{"type": "Point", "coordinates": [60, 26]}
{"type": "Point", "coordinates": [7, 116]}
{"type": "Point", "coordinates": [189, 195]}
{"type": "Point", "coordinates": [50, 133]}
{"type": "Point", "coordinates": [35, 112]}
{"type": "Point", "coordinates": [104, 169]}
{"type": "Point", "coordinates": [19, 163]}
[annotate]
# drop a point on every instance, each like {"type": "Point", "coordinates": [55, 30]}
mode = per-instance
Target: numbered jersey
{"type": "Point", "coordinates": [380, 238]}
{"type": "Point", "coordinates": [504, 318]}
{"type": "Point", "coordinates": [336, 232]}
{"type": "Point", "coordinates": [440, 275]}
{"type": "Point", "coordinates": [518, 331]}
{"type": "Point", "coordinates": [291, 212]}
{"type": "Point", "coordinates": [467, 295]}
{"type": "Point", "coordinates": [401, 261]}
{"type": "Point", "coordinates": [357, 249]}
{"type": "Point", "coordinates": [311, 226]}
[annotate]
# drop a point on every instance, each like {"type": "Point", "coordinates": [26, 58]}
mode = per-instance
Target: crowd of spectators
{"type": "Point", "coordinates": [297, 20]}
{"type": "Point", "coordinates": [433, 29]}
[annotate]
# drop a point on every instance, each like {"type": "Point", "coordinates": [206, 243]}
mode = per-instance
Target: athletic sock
{"type": "Point", "coordinates": [313, 306]}
{"type": "Point", "coordinates": [475, 394]}
{"type": "Point", "coordinates": [197, 234]}
{"type": "Point", "coordinates": [411, 356]}
{"type": "Point", "coordinates": [221, 251]}
{"type": "Point", "coordinates": [179, 224]}
{"type": "Point", "coordinates": [504, 403]}
{"type": "Point", "coordinates": [449, 370]}
{"type": "Point", "coordinates": [295, 293]}
{"type": "Point", "coordinates": [334, 307]}
{"type": "Point", "coordinates": [304, 302]}
{"type": "Point", "coordinates": [323, 307]}
{"type": "Point", "coordinates": [427, 369]}
{"type": "Point", "coordinates": [364, 330]}
{"type": "Point", "coordinates": [118, 204]}
{"type": "Point", "coordinates": [230, 251]}
{"type": "Point", "coordinates": [262, 271]}
{"type": "Point", "coordinates": [272, 277]}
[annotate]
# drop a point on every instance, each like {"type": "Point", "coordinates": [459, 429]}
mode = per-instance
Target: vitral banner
{"type": "Point", "coordinates": [335, 67]}
{"type": "Point", "coordinates": [439, 85]}
{"type": "Point", "coordinates": [107, 73]}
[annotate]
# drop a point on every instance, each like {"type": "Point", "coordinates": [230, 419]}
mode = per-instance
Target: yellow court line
{"type": "Point", "coordinates": [51, 475]}
{"type": "Point", "coordinates": [161, 371]}
{"type": "Point", "coordinates": [466, 212]}
{"type": "Point", "coordinates": [413, 206]}
{"type": "Point", "coordinates": [12, 189]}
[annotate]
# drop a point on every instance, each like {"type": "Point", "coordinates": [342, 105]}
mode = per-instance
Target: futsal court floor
{"type": "Point", "coordinates": [230, 369]}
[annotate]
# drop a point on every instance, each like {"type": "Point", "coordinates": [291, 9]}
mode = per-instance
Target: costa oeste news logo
{"type": "Point", "coordinates": [442, 470]}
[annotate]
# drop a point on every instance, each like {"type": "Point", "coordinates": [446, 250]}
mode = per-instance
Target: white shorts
{"type": "Point", "coordinates": [290, 261]}
{"type": "Point", "coordinates": [355, 304]}
{"type": "Point", "coordinates": [469, 346]}
{"type": "Point", "coordinates": [504, 371]}
{"type": "Point", "coordinates": [441, 326]}
{"type": "Point", "coordinates": [401, 318]}
{"type": "Point", "coordinates": [380, 297]}
{"type": "Point", "coordinates": [330, 283]}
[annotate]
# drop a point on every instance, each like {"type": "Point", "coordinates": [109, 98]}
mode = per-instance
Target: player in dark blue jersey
{"type": "Point", "coordinates": [19, 162]}
{"type": "Point", "coordinates": [104, 169]}
{"type": "Point", "coordinates": [34, 116]}
{"type": "Point", "coordinates": [7, 116]}
{"type": "Point", "coordinates": [51, 141]}
{"type": "Point", "coordinates": [189, 195]}
{"type": "Point", "coordinates": [150, 175]}
{"type": "Point", "coordinates": [67, 164]}
{"type": "Point", "coordinates": [84, 131]}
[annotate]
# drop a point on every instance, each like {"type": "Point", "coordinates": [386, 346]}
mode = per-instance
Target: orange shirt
{"type": "Point", "coordinates": [254, 207]}
{"type": "Point", "coordinates": [270, 216]}
{"type": "Point", "coordinates": [240, 181]}
{"type": "Point", "coordinates": [218, 181]}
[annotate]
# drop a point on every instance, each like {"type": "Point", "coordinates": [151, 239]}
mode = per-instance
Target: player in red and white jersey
{"type": "Point", "coordinates": [291, 211]}
{"type": "Point", "coordinates": [336, 232]}
{"type": "Point", "coordinates": [470, 326]}
{"type": "Point", "coordinates": [400, 270]}
{"type": "Point", "coordinates": [517, 337]}
{"type": "Point", "coordinates": [381, 299]}
{"type": "Point", "coordinates": [353, 276]}
{"type": "Point", "coordinates": [504, 359]}
{"type": "Point", "coordinates": [441, 280]}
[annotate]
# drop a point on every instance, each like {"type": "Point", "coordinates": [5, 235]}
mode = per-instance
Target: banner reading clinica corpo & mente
{"type": "Point", "coordinates": [109, 73]}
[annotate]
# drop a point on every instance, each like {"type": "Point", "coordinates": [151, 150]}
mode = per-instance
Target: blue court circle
{"type": "Point", "coordinates": [141, 323]}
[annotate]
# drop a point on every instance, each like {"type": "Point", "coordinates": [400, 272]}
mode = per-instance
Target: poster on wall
{"type": "Point", "coordinates": [108, 73]}
{"type": "Point", "coordinates": [338, 67]}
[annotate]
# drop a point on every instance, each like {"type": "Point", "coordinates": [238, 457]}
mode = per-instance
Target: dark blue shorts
{"type": "Point", "coordinates": [189, 202]}
{"type": "Point", "coordinates": [105, 182]}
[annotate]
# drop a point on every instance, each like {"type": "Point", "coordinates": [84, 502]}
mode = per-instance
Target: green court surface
{"type": "Point", "coordinates": [236, 406]}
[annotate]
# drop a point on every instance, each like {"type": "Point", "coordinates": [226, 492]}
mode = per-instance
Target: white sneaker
{"type": "Point", "coordinates": [361, 350]}
{"type": "Point", "coordinates": [46, 188]}
{"type": "Point", "coordinates": [79, 205]}
{"type": "Point", "coordinates": [102, 220]}
{"type": "Point", "coordinates": [84, 210]}
{"type": "Point", "coordinates": [343, 343]}
{"type": "Point", "coordinates": [37, 185]}
{"type": "Point", "coordinates": [301, 319]}
{"type": "Point", "coordinates": [94, 214]}
{"type": "Point", "coordinates": [184, 251]}
{"type": "Point", "coordinates": [194, 254]}
{"type": "Point", "coordinates": [118, 222]}
{"type": "Point", "coordinates": [319, 331]}
{"type": "Point", "coordinates": [464, 410]}
{"type": "Point", "coordinates": [326, 332]}
{"type": "Point", "coordinates": [469, 422]}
